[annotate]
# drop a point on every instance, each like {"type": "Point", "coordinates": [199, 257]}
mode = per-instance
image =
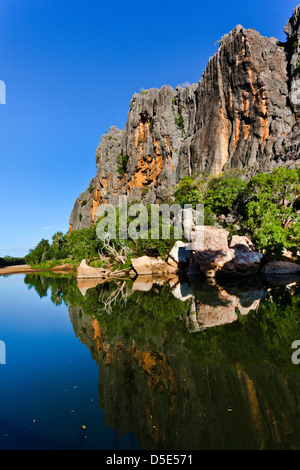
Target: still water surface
{"type": "Point", "coordinates": [149, 365]}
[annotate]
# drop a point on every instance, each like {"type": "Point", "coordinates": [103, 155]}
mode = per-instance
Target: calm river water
{"type": "Point", "coordinates": [149, 364]}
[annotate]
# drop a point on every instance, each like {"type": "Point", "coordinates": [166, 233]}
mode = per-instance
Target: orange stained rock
{"type": "Point", "coordinates": [263, 113]}
{"type": "Point", "coordinates": [96, 328]}
{"type": "Point", "coordinates": [247, 128]}
{"type": "Point", "coordinates": [261, 100]}
{"type": "Point", "coordinates": [141, 133]}
{"type": "Point", "coordinates": [95, 204]}
{"type": "Point", "coordinates": [108, 357]}
{"type": "Point", "coordinates": [157, 149]}
{"type": "Point", "coordinates": [251, 81]}
{"type": "Point", "coordinates": [222, 148]}
{"type": "Point", "coordinates": [152, 175]}
{"type": "Point", "coordinates": [146, 131]}
{"type": "Point", "coordinates": [245, 103]}
{"type": "Point", "coordinates": [145, 360]}
{"type": "Point", "coordinates": [168, 144]}
{"type": "Point", "coordinates": [236, 130]}
{"type": "Point", "coordinates": [139, 178]}
{"type": "Point", "coordinates": [159, 164]}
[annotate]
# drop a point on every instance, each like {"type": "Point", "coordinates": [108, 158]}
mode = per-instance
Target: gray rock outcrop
{"type": "Point", "coordinates": [211, 253]}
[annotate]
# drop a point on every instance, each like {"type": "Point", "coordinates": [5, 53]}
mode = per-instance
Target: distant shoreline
{"type": "Point", "coordinates": [25, 269]}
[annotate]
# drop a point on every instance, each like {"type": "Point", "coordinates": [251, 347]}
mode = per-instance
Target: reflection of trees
{"type": "Point", "coordinates": [145, 316]}
{"type": "Point", "coordinates": [231, 386]}
{"type": "Point", "coordinates": [62, 289]}
{"type": "Point", "coordinates": [120, 295]}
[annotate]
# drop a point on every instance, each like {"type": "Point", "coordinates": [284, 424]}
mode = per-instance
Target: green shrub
{"type": "Point", "coordinates": [143, 91]}
{"type": "Point", "coordinates": [151, 123]}
{"type": "Point", "coordinates": [224, 193]}
{"type": "Point", "coordinates": [269, 210]}
{"type": "Point", "coordinates": [42, 252]}
{"type": "Point", "coordinates": [122, 161]}
{"type": "Point", "coordinates": [145, 190]}
{"type": "Point", "coordinates": [179, 121]}
{"type": "Point", "coordinates": [183, 188]}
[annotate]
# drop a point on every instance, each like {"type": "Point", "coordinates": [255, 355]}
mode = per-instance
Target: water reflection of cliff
{"type": "Point", "coordinates": [229, 385]}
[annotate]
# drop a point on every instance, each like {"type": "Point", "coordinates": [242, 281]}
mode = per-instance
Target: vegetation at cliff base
{"type": "Point", "coordinates": [266, 208]}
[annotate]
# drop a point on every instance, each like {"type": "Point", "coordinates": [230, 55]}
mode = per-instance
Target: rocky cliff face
{"type": "Point", "coordinates": [243, 113]}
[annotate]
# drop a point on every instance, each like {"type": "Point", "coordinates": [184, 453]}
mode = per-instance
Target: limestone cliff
{"type": "Point", "coordinates": [243, 113]}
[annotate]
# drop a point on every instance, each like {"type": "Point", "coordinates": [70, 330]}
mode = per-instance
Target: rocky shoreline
{"type": "Point", "coordinates": [209, 253]}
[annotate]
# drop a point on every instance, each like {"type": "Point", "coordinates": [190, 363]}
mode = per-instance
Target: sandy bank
{"type": "Point", "coordinates": [25, 269]}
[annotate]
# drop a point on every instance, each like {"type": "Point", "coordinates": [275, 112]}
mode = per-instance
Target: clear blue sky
{"type": "Point", "coordinates": [71, 68]}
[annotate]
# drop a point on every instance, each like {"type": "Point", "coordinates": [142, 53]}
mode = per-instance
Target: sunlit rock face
{"type": "Point", "coordinates": [292, 30]}
{"type": "Point", "coordinates": [241, 114]}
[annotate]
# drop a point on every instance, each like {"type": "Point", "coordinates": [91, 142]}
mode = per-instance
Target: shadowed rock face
{"type": "Point", "coordinates": [242, 114]}
{"type": "Point", "coordinates": [212, 255]}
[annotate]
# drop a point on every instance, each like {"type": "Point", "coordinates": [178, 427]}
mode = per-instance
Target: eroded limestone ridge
{"type": "Point", "coordinates": [243, 113]}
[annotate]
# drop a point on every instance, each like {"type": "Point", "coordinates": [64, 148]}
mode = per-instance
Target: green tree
{"type": "Point", "coordinates": [42, 252]}
{"type": "Point", "coordinates": [82, 244]}
{"type": "Point", "coordinates": [224, 193]}
{"type": "Point", "coordinates": [58, 246]}
{"type": "Point", "coordinates": [269, 210]}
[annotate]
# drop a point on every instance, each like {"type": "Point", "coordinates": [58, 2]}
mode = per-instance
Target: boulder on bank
{"type": "Point", "coordinates": [84, 271]}
{"type": "Point", "coordinates": [179, 255]}
{"type": "Point", "coordinates": [210, 251]}
{"type": "Point", "coordinates": [242, 244]}
{"type": "Point", "coordinates": [212, 254]}
{"type": "Point", "coordinates": [88, 272]}
{"type": "Point", "coordinates": [142, 265]}
{"type": "Point", "coordinates": [145, 266]}
{"type": "Point", "coordinates": [281, 268]}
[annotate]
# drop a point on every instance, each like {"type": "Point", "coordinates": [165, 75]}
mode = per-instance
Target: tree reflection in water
{"type": "Point", "coordinates": [188, 364]}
